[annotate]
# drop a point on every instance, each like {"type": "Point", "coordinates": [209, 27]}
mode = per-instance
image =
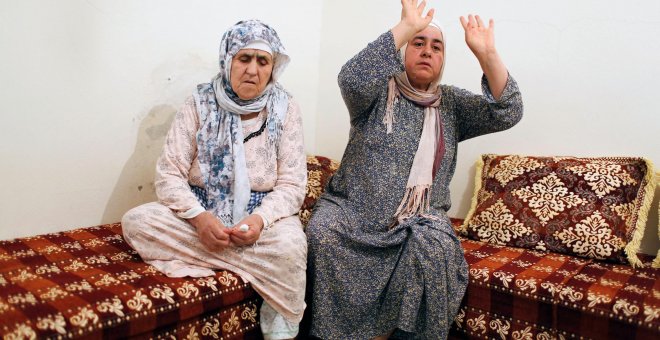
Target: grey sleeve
{"type": "Point", "coordinates": [365, 76]}
{"type": "Point", "coordinates": [478, 115]}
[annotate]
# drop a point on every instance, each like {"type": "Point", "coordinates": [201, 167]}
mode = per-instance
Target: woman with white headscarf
{"type": "Point", "coordinates": [230, 181]}
{"type": "Point", "coordinates": [383, 256]}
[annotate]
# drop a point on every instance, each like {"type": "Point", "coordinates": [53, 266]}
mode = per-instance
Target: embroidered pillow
{"type": "Point", "coordinates": [589, 207]}
{"type": "Point", "coordinates": [319, 171]}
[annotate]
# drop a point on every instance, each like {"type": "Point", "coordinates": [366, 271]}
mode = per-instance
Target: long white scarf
{"type": "Point", "coordinates": [416, 199]}
{"type": "Point", "coordinates": [418, 188]}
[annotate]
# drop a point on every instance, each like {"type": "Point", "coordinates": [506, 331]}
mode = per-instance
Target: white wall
{"type": "Point", "coordinates": [587, 70]}
{"type": "Point", "coordinates": [89, 88]}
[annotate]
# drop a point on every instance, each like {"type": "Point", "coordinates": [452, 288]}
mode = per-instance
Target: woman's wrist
{"type": "Point", "coordinates": [488, 58]}
{"type": "Point", "coordinates": [191, 213]}
{"type": "Point", "coordinates": [197, 220]}
{"type": "Point", "coordinates": [261, 222]}
{"type": "Point", "coordinates": [402, 33]}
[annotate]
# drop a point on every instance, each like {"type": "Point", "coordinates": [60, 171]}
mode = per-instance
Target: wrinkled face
{"type": "Point", "coordinates": [250, 72]}
{"type": "Point", "coordinates": [423, 59]}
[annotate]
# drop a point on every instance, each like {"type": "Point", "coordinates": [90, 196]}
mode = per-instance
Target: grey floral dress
{"type": "Point", "coordinates": [366, 278]}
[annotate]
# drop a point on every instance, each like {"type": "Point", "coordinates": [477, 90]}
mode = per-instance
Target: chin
{"type": "Point", "coordinates": [424, 74]}
{"type": "Point", "coordinates": [247, 95]}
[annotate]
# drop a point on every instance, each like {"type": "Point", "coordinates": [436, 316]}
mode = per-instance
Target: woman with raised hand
{"type": "Point", "coordinates": [383, 257]}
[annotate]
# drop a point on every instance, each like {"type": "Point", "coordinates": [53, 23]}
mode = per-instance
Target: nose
{"type": "Point", "coordinates": [426, 51]}
{"type": "Point", "coordinates": [252, 67]}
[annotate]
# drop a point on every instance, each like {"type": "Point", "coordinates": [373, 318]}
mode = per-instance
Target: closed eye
{"type": "Point", "coordinates": [263, 61]}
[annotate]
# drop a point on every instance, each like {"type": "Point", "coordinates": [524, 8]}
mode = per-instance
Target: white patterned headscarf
{"type": "Point", "coordinates": [220, 137]}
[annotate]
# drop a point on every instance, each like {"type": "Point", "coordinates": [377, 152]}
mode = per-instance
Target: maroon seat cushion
{"type": "Point", "coordinates": [525, 294]}
{"type": "Point", "coordinates": [88, 282]}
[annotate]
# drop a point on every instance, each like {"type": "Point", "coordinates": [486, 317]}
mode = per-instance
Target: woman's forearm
{"type": "Point", "coordinates": [495, 72]}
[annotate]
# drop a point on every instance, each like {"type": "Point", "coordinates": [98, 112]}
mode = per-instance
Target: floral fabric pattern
{"type": "Point", "coordinates": [548, 197]}
{"type": "Point", "coordinates": [319, 171]}
{"type": "Point", "coordinates": [89, 283]}
{"type": "Point", "coordinates": [591, 237]}
{"type": "Point", "coordinates": [513, 293]}
{"type": "Point", "coordinates": [500, 225]}
{"type": "Point", "coordinates": [588, 207]}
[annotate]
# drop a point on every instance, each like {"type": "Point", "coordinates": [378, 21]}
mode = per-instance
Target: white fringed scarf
{"type": "Point", "coordinates": [416, 200]}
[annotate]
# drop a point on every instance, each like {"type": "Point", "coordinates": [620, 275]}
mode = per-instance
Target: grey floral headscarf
{"type": "Point", "coordinates": [220, 137]}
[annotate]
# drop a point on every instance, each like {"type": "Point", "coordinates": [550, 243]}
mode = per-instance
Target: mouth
{"type": "Point", "coordinates": [424, 64]}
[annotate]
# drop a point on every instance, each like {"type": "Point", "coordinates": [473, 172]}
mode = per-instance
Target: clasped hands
{"type": "Point", "coordinates": [215, 236]}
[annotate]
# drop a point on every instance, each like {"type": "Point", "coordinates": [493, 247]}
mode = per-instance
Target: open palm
{"type": "Point", "coordinates": [479, 38]}
{"type": "Point", "coordinates": [412, 14]}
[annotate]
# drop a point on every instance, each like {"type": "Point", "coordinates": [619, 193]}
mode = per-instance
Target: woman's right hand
{"type": "Point", "coordinates": [411, 22]}
{"type": "Point", "coordinates": [411, 15]}
{"type": "Point", "coordinates": [211, 231]}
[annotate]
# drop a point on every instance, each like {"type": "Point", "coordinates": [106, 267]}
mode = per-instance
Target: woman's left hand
{"type": "Point", "coordinates": [481, 41]}
{"type": "Point", "coordinates": [245, 238]}
{"type": "Point", "coordinates": [479, 38]}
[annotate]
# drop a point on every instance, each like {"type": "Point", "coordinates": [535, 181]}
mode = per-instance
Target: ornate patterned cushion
{"type": "Point", "coordinates": [319, 171]}
{"type": "Point", "coordinates": [590, 207]}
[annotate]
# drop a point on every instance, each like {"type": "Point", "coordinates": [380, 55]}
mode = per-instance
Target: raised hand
{"type": "Point", "coordinates": [479, 38]}
{"type": "Point", "coordinates": [412, 15]}
{"type": "Point", "coordinates": [412, 21]}
{"type": "Point", "coordinates": [481, 41]}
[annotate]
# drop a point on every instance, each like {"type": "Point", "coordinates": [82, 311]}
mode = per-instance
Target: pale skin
{"type": "Point", "coordinates": [251, 71]}
{"type": "Point", "coordinates": [479, 38]}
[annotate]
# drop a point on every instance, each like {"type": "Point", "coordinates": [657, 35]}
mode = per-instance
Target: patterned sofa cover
{"type": "Point", "coordinates": [516, 293]}
{"type": "Point", "coordinates": [88, 283]}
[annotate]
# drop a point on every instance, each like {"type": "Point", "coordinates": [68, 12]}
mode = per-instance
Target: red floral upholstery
{"type": "Point", "coordinates": [319, 171]}
{"type": "Point", "coordinates": [89, 283]}
{"type": "Point", "coordinates": [517, 293]}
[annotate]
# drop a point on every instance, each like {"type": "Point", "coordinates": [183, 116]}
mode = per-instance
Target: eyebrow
{"type": "Point", "coordinates": [256, 54]}
{"type": "Point", "coordinates": [425, 39]}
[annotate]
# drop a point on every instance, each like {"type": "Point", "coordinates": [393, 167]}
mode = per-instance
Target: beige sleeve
{"type": "Point", "coordinates": [173, 166]}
